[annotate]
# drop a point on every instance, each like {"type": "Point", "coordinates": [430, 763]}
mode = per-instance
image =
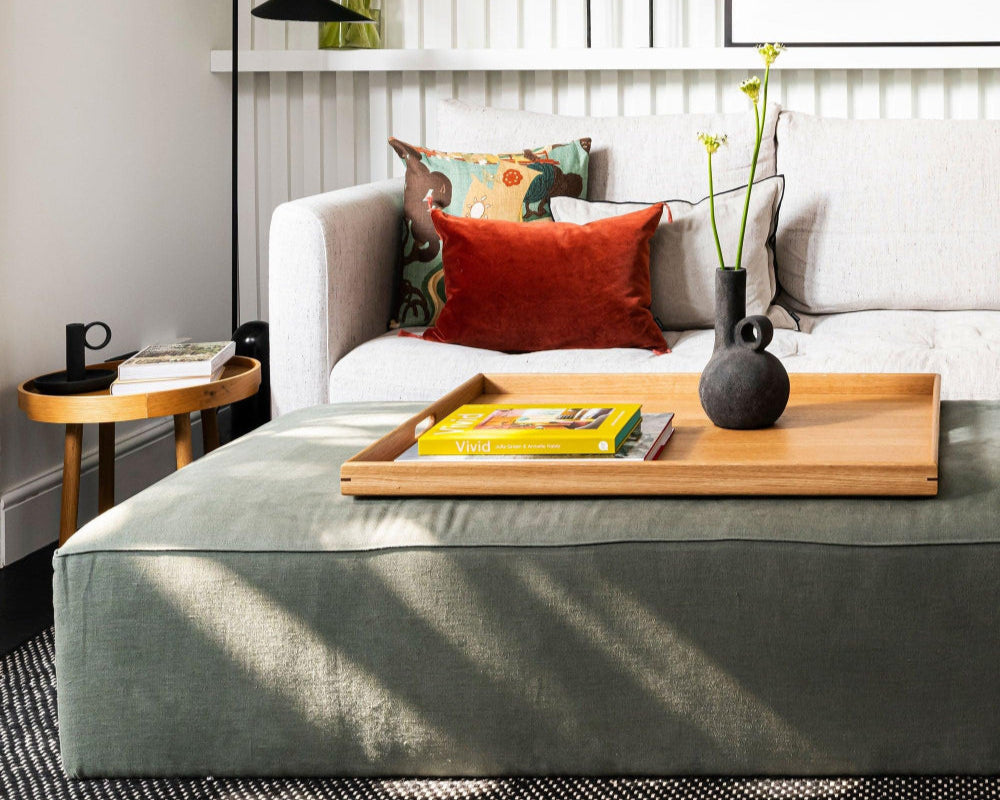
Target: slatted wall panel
{"type": "Point", "coordinates": [303, 133]}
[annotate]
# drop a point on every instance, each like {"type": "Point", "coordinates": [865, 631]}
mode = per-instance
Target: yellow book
{"type": "Point", "coordinates": [538, 429]}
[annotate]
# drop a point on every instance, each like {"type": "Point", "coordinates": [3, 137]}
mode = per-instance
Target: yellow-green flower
{"type": "Point", "coordinates": [770, 52]}
{"type": "Point", "coordinates": [751, 88]}
{"type": "Point", "coordinates": [712, 141]}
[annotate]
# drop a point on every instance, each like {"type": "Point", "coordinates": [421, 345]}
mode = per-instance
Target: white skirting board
{"type": "Point", "coordinates": [29, 513]}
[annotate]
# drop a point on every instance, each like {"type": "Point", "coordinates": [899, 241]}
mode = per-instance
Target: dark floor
{"type": "Point", "coordinates": [25, 598]}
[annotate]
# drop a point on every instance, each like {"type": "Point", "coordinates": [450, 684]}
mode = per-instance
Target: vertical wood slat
{"type": "Point", "coordinates": [246, 169]}
{"type": "Point", "coordinates": [247, 196]}
{"type": "Point", "coordinates": [362, 128]}
{"type": "Point", "coordinates": [669, 92]}
{"type": "Point", "coordinates": [572, 99]}
{"type": "Point", "coordinates": [638, 94]}
{"type": "Point", "coordinates": [437, 25]}
{"type": "Point", "coordinates": [312, 134]}
{"type": "Point", "coordinates": [328, 129]}
{"type": "Point", "coordinates": [990, 80]}
{"type": "Point", "coordinates": [799, 90]}
{"type": "Point", "coordinates": [570, 25]}
{"type": "Point", "coordinates": [537, 25]}
{"type": "Point", "coordinates": [378, 120]}
{"type": "Point", "coordinates": [262, 102]}
{"type": "Point", "coordinates": [635, 23]}
{"type": "Point", "coordinates": [897, 94]}
{"type": "Point", "coordinates": [412, 23]}
{"type": "Point", "coordinates": [701, 92]}
{"type": "Point", "coordinates": [295, 126]}
{"type": "Point", "coordinates": [346, 144]}
{"type": "Point", "coordinates": [279, 187]}
{"type": "Point", "coordinates": [668, 23]}
{"type": "Point", "coordinates": [471, 31]}
{"type": "Point", "coordinates": [700, 24]}
{"type": "Point", "coordinates": [503, 23]}
{"type": "Point", "coordinates": [606, 23]}
{"type": "Point", "coordinates": [833, 96]}
{"type": "Point", "coordinates": [963, 94]}
{"type": "Point", "coordinates": [604, 90]}
{"type": "Point", "coordinates": [929, 94]}
{"type": "Point", "coordinates": [727, 89]}
{"type": "Point", "coordinates": [471, 24]}
{"type": "Point", "coordinates": [866, 96]}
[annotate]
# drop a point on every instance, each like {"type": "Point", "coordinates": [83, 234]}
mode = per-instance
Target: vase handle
{"type": "Point", "coordinates": [754, 332]}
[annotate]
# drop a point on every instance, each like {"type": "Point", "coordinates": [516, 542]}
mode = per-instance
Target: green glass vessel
{"type": "Point", "coordinates": [353, 35]}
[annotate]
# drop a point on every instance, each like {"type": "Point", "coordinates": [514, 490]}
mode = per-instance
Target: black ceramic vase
{"type": "Point", "coordinates": [742, 386]}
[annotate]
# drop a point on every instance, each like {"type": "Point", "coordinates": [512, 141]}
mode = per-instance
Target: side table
{"type": "Point", "coordinates": [240, 379]}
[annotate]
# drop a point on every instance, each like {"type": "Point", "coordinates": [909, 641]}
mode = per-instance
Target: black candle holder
{"type": "Point", "coordinates": [77, 377]}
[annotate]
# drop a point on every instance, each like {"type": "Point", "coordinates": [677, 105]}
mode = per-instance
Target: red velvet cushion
{"type": "Point", "coordinates": [544, 286]}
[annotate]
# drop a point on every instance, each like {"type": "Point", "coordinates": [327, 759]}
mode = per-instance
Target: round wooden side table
{"type": "Point", "coordinates": [240, 379]}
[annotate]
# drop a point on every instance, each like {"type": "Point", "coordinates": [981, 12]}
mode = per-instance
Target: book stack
{"type": "Point", "coordinates": [499, 432]}
{"type": "Point", "coordinates": [161, 367]}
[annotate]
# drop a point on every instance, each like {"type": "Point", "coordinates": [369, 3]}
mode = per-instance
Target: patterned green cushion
{"type": "Point", "coordinates": [513, 186]}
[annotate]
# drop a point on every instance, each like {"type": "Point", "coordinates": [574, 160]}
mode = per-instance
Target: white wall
{"type": "Point", "coordinates": [315, 132]}
{"type": "Point", "coordinates": [114, 205]}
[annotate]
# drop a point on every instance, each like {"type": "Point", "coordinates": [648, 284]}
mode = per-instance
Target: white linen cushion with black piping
{"type": "Point", "coordinates": [683, 258]}
{"type": "Point", "coordinates": [889, 214]}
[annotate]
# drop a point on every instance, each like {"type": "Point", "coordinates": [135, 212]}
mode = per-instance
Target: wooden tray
{"type": "Point", "coordinates": [867, 434]}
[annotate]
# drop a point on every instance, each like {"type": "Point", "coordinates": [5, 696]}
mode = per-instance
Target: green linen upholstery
{"type": "Point", "coordinates": [241, 617]}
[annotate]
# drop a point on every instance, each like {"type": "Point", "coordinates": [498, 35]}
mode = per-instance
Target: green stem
{"type": "Point", "coordinates": [760, 117]}
{"type": "Point", "coordinates": [711, 209]}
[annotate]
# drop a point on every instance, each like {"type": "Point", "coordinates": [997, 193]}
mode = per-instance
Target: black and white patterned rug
{"type": "Point", "coordinates": [30, 768]}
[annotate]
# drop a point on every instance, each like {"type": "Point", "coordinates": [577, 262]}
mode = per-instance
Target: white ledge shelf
{"type": "Point", "coordinates": [521, 60]}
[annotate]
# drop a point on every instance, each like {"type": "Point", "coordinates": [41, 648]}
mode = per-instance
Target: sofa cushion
{"type": "Point", "coordinates": [683, 258]}
{"type": "Point", "coordinates": [897, 214]}
{"type": "Point", "coordinates": [631, 158]}
{"type": "Point", "coordinates": [521, 288]}
{"type": "Point", "coordinates": [511, 186]}
{"type": "Point", "coordinates": [963, 346]}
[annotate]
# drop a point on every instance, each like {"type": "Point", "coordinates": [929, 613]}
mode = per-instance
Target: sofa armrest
{"type": "Point", "coordinates": [332, 264]}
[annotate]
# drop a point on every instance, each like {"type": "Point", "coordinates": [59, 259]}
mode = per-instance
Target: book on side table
{"type": "Point", "coordinates": [161, 367]}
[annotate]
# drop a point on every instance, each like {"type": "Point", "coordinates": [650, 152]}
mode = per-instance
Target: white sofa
{"type": "Point", "coordinates": [887, 249]}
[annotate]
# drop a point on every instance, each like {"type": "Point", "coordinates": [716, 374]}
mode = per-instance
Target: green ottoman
{"type": "Point", "coordinates": [241, 617]}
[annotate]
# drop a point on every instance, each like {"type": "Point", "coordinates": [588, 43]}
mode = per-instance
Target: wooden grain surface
{"type": "Point", "coordinates": [842, 434]}
{"type": "Point", "coordinates": [240, 379]}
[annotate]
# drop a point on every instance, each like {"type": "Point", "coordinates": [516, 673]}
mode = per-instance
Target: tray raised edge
{"type": "Point", "coordinates": [373, 471]}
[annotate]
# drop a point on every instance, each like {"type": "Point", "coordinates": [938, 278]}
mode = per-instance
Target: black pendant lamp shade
{"type": "Point", "coordinates": [308, 11]}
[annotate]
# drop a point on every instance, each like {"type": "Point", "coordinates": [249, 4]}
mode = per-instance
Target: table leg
{"type": "Point", "coordinates": [71, 481]}
{"type": "Point", "coordinates": [209, 429]}
{"type": "Point", "coordinates": [182, 439]}
{"type": "Point", "coordinates": [106, 467]}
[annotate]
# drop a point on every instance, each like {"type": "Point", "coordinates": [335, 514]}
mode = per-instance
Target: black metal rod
{"type": "Point", "coordinates": [588, 23]}
{"type": "Point", "coordinates": [650, 23]}
{"type": "Point", "coordinates": [235, 141]}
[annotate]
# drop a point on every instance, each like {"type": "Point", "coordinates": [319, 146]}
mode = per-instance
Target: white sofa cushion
{"type": "Point", "coordinates": [897, 214]}
{"type": "Point", "coordinates": [963, 346]}
{"type": "Point", "coordinates": [683, 259]}
{"type": "Point", "coordinates": [631, 158]}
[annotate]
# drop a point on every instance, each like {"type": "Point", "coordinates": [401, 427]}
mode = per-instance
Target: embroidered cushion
{"type": "Point", "coordinates": [513, 186]}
